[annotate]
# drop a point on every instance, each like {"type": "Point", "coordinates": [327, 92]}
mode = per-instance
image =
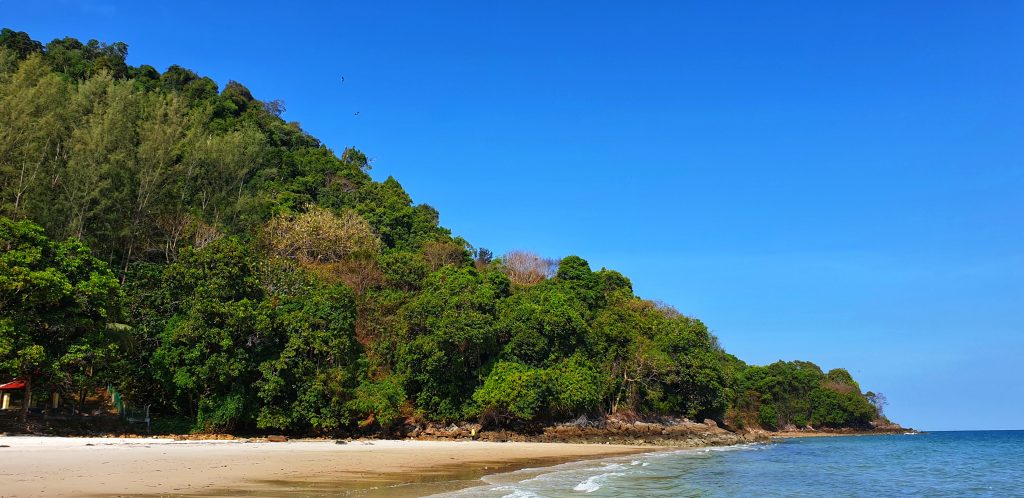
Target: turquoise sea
{"type": "Point", "coordinates": [970, 463]}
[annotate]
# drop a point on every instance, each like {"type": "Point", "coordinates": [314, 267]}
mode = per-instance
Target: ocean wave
{"type": "Point", "coordinates": [585, 476]}
{"type": "Point", "coordinates": [573, 468]}
{"type": "Point", "coordinates": [710, 449]}
{"type": "Point", "coordinates": [517, 492]}
{"type": "Point", "coordinates": [960, 464]}
{"type": "Point", "coordinates": [594, 483]}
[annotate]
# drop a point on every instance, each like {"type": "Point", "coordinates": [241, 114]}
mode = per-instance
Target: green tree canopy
{"type": "Point", "coordinates": [56, 300]}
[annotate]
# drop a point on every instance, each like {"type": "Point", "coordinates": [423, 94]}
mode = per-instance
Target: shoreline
{"type": "Point", "coordinates": [105, 466]}
{"type": "Point", "coordinates": [150, 466]}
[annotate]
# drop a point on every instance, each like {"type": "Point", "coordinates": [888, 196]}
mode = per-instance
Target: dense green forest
{"type": "Point", "coordinates": [180, 241]}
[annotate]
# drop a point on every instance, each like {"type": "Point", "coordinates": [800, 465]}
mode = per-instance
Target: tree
{"type": "Point", "coordinates": [34, 135]}
{"type": "Point", "coordinates": [440, 253]}
{"type": "Point", "coordinates": [19, 42]}
{"type": "Point", "coordinates": [842, 379]}
{"type": "Point", "coordinates": [695, 382]}
{"type": "Point", "coordinates": [878, 400]}
{"type": "Point", "coordinates": [311, 381]}
{"type": "Point", "coordinates": [576, 386]}
{"type": "Point", "coordinates": [574, 274]}
{"type": "Point", "coordinates": [217, 329]}
{"type": "Point", "coordinates": [832, 408]}
{"type": "Point", "coordinates": [613, 281]}
{"type": "Point", "coordinates": [449, 339]}
{"type": "Point", "coordinates": [101, 148]}
{"type": "Point", "coordinates": [404, 270]}
{"type": "Point", "coordinates": [542, 324]}
{"type": "Point", "coordinates": [511, 391]}
{"type": "Point", "coordinates": [389, 210]}
{"type": "Point", "coordinates": [799, 393]}
{"type": "Point", "coordinates": [378, 402]}
{"type": "Point", "coordinates": [161, 131]}
{"type": "Point", "coordinates": [320, 236]}
{"type": "Point", "coordinates": [216, 168]}
{"type": "Point", "coordinates": [526, 268]}
{"type": "Point", "coordinates": [239, 96]}
{"type": "Point", "coordinates": [55, 302]}
{"type": "Point", "coordinates": [482, 258]}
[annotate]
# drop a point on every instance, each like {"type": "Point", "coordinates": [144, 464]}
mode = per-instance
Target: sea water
{"type": "Point", "coordinates": [973, 463]}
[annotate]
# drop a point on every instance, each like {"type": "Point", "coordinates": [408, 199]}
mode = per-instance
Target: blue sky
{"type": "Point", "coordinates": [836, 183]}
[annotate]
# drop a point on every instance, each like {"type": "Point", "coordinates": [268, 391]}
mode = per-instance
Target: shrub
{"type": "Point", "coordinates": [575, 386]}
{"type": "Point", "coordinates": [511, 391]}
{"type": "Point", "coordinates": [768, 417]}
{"type": "Point", "coordinates": [380, 401]}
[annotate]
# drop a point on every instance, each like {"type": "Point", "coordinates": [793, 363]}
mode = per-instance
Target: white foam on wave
{"type": "Point", "coordinates": [561, 471]}
{"type": "Point", "coordinates": [584, 476]}
{"type": "Point", "coordinates": [594, 483]}
{"type": "Point", "coordinates": [709, 449]}
{"type": "Point", "coordinates": [517, 492]}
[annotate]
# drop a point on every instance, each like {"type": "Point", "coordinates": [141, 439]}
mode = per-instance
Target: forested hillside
{"type": "Point", "coordinates": [178, 240]}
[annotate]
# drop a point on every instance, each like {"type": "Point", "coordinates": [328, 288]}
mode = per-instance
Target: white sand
{"type": "Point", "coordinates": [53, 466]}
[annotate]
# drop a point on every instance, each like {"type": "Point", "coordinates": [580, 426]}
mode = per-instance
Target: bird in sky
{"type": "Point", "coordinates": [342, 79]}
{"type": "Point", "coordinates": [356, 114]}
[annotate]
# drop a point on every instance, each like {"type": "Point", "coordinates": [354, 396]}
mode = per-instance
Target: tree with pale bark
{"type": "Point", "coordinates": [320, 236]}
{"type": "Point", "coordinates": [527, 268]}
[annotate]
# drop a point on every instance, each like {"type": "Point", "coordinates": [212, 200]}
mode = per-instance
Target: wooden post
{"type": "Point", "coordinates": [6, 401]}
{"type": "Point", "coordinates": [54, 400]}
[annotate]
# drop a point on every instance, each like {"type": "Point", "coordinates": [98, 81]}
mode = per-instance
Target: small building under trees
{"type": "Point", "coordinates": [8, 389]}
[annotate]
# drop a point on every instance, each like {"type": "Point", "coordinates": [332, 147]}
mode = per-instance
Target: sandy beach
{"type": "Point", "coordinates": [54, 466]}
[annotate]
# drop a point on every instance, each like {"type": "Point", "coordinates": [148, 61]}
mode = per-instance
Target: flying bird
{"type": "Point", "coordinates": [342, 79]}
{"type": "Point", "coordinates": [356, 114]}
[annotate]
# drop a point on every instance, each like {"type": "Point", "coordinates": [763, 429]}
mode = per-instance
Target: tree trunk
{"type": "Point", "coordinates": [128, 258]}
{"type": "Point", "coordinates": [27, 399]}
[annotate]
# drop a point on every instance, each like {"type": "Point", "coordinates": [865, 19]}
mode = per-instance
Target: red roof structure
{"type": "Point", "coordinates": [14, 384]}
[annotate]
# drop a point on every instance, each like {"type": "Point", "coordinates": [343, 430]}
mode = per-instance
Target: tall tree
{"type": "Point", "coordinates": [55, 301]}
{"type": "Point", "coordinates": [34, 134]}
{"type": "Point", "coordinates": [102, 147]}
{"type": "Point", "coordinates": [161, 130]}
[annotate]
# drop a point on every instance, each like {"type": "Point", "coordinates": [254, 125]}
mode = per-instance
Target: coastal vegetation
{"type": "Point", "coordinates": [181, 242]}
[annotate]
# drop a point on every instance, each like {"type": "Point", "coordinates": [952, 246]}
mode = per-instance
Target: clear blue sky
{"type": "Point", "coordinates": [837, 183]}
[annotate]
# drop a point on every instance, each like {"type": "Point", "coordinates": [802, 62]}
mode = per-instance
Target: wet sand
{"type": "Point", "coordinates": [51, 466]}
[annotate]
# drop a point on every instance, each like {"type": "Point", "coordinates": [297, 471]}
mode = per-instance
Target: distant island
{"type": "Point", "coordinates": [177, 258]}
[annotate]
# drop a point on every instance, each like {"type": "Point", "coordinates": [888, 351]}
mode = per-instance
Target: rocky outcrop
{"type": "Point", "coordinates": [660, 432]}
{"type": "Point", "coordinates": [676, 432]}
{"type": "Point", "coordinates": [665, 431]}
